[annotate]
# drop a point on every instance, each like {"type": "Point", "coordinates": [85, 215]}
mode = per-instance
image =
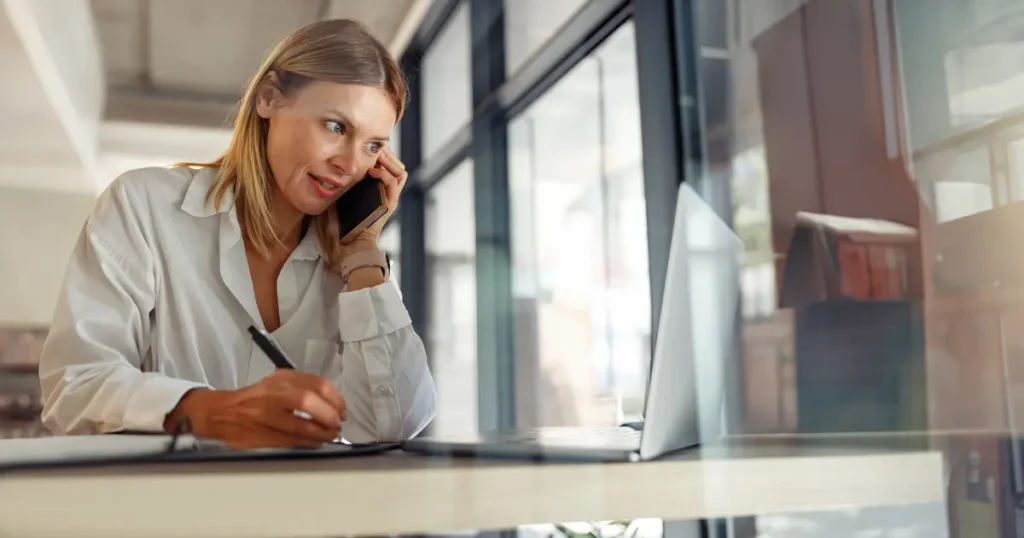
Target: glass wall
{"type": "Point", "coordinates": [580, 281]}
{"type": "Point", "coordinates": [530, 23]}
{"type": "Point", "coordinates": [451, 270]}
{"type": "Point", "coordinates": [870, 156]}
{"type": "Point", "coordinates": [446, 101]}
{"type": "Point", "coordinates": [960, 80]}
{"type": "Point", "coordinates": [798, 134]}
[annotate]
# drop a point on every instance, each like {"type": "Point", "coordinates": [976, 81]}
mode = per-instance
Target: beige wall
{"type": "Point", "coordinates": [38, 229]}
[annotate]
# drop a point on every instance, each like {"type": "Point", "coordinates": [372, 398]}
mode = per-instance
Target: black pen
{"type": "Point", "coordinates": [276, 356]}
{"type": "Point", "coordinates": [273, 352]}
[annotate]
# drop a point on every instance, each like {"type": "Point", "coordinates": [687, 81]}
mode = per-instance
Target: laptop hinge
{"type": "Point", "coordinates": [637, 425]}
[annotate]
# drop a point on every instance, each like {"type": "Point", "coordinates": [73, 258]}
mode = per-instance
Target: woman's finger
{"type": "Point", "coordinates": [392, 187]}
{"type": "Point", "coordinates": [317, 384]}
{"type": "Point", "coordinates": [387, 177]}
{"type": "Point", "coordinates": [391, 162]}
{"type": "Point", "coordinates": [302, 431]}
{"type": "Point", "coordinates": [402, 174]}
{"type": "Point", "coordinates": [395, 157]}
{"type": "Point", "coordinates": [293, 398]}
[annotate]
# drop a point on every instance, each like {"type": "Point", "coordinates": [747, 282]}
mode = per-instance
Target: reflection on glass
{"type": "Point", "coordinates": [982, 67]}
{"type": "Point", "coordinates": [870, 154]}
{"type": "Point", "coordinates": [451, 273]}
{"type": "Point", "coordinates": [1016, 177]}
{"type": "Point", "coordinates": [446, 83]}
{"type": "Point", "coordinates": [531, 23]}
{"type": "Point", "coordinates": [911, 521]}
{"type": "Point", "coordinates": [636, 528]}
{"type": "Point", "coordinates": [956, 184]}
{"type": "Point", "coordinates": [580, 276]}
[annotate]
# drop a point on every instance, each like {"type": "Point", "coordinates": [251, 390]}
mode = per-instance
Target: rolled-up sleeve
{"type": "Point", "coordinates": [385, 380]}
{"type": "Point", "coordinates": [90, 366]}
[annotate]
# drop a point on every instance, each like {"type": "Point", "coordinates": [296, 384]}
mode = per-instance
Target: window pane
{"type": "Point", "coordinates": [531, 23]}
{"type": "Point", "coordinates": [447, 99]}
{"type": "Point", "coordinates": [451, 269]}
{"type": "Point", "coordinates": [964, 97]}
{"type": "Point", "coordinates": [390, 241]}
{"type": "Point", "coordinates": [580, 279]}
{"type": "Point", "coordinates": [956, 183]}
{"type": "Point", "coordinates": [867, 154]}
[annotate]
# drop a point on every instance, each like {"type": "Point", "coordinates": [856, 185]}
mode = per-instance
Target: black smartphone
{"type": "Point", "coordinates": [361, 205]}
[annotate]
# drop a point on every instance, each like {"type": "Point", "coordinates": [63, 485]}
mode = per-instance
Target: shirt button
{"type": "Point", "coordinates": [385, 390]}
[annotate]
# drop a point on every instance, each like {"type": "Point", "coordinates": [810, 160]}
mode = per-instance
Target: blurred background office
{"type": "Point", "coordinates": [869, 154]}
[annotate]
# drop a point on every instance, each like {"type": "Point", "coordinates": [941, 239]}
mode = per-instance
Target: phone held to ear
{"type": "Point", "coordinates": [361, 205]}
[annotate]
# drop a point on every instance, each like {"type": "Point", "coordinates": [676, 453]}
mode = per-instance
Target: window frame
{"type": "Point", "coordinates": [497, 98]}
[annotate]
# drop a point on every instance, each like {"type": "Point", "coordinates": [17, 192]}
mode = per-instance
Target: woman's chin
{"type": "Point", "coordinates": [315, 211]}
{"type": "Point", "coordinates": [312, 206]}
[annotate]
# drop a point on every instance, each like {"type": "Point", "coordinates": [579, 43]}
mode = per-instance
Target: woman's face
{"type": "Point", "coordinates": [323, 138]}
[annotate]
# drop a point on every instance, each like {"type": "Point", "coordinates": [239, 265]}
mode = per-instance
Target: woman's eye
{"type": "Point", "coordinates": [374, 147]}
{"type": "Point", "coordinates": [335, 127]}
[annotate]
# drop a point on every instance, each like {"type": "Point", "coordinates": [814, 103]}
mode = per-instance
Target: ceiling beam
{"type": "Point", "coordinates": [170, 108]}
{"type": "Point", "coordinates": [152, 140]}
{"type": "Point", "coordinates": [410, 23]}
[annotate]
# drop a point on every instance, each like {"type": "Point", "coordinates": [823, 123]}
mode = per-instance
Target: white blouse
{"type": "Point", "coordinates": [157, 300]}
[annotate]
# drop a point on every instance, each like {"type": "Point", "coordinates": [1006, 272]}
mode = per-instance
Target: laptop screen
{"type": "Point", "coordinates": [697, 340]}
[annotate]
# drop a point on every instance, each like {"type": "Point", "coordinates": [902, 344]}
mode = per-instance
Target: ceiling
{"type": "Point", "coordinates": [185, 61]}
{"type": "Point", "coordinates": [91, 88]}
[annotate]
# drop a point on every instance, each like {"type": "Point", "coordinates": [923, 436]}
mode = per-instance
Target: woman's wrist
{"type": "Point", "coordinates": [357, 246]}
{"type": "Point", "coordinates": [190, 406]}
{"type": "Point", "coordinates": [366, 276]}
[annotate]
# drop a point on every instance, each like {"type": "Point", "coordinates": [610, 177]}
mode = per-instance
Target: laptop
{"type": "Point", "coordinates": [684, 401]}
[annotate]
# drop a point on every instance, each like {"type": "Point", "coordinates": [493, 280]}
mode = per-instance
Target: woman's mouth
{"type": "Point", "coordinates": [323, 187]}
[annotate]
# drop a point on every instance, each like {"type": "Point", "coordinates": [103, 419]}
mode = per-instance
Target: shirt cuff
{"type": "Point", "coordinates": [370, 312]}
{"type": "Point", "coordinates": [152, 400]}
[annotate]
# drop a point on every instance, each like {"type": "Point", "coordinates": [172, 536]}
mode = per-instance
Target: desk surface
{"type": "Point", "coordinates": [400, 493]}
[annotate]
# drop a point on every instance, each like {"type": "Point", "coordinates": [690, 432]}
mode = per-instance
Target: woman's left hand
{"type": "Point", "coordinates": [392, 173]}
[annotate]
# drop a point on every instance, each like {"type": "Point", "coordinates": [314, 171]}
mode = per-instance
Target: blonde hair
{"type": "Point", "coordinates": [340, 51]}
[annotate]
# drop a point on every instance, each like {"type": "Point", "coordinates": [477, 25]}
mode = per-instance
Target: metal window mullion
{"type": "Point", "coordinates": [495, 353]}
{"type": "Point", "coordinates": [412, 211]}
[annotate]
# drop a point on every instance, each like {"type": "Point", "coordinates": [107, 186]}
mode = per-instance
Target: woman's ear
{"type": "Point", "coordinates": [268, 95]}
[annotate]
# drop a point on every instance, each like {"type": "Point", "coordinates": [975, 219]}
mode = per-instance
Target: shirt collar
{"type": "Point", "coordinates": [195, 204]}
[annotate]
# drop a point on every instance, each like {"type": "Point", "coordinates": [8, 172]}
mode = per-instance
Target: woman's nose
{"type": "Point", "coordinates": [346, 162]}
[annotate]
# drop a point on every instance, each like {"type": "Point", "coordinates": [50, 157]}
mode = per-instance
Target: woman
{"type": "Point", "coordinates": [174, 265]}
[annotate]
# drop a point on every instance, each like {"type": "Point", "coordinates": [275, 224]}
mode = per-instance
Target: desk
{"type": "Point", "coordinates": [400, 493]}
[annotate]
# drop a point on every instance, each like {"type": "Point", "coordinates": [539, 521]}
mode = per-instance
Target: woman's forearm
{"type": "Point", "coordinates": [365, 277]}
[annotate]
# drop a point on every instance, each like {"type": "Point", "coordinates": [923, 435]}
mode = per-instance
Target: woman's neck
{"type": "Point", "coordinates": [287, 221]}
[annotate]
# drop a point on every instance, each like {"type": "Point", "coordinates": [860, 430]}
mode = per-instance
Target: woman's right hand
{"type": "Point", "coordinates": [262, 415]}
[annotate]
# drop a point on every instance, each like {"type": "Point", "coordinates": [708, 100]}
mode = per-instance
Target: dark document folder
{"type": "Point", "coordinates": [118, 449]}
